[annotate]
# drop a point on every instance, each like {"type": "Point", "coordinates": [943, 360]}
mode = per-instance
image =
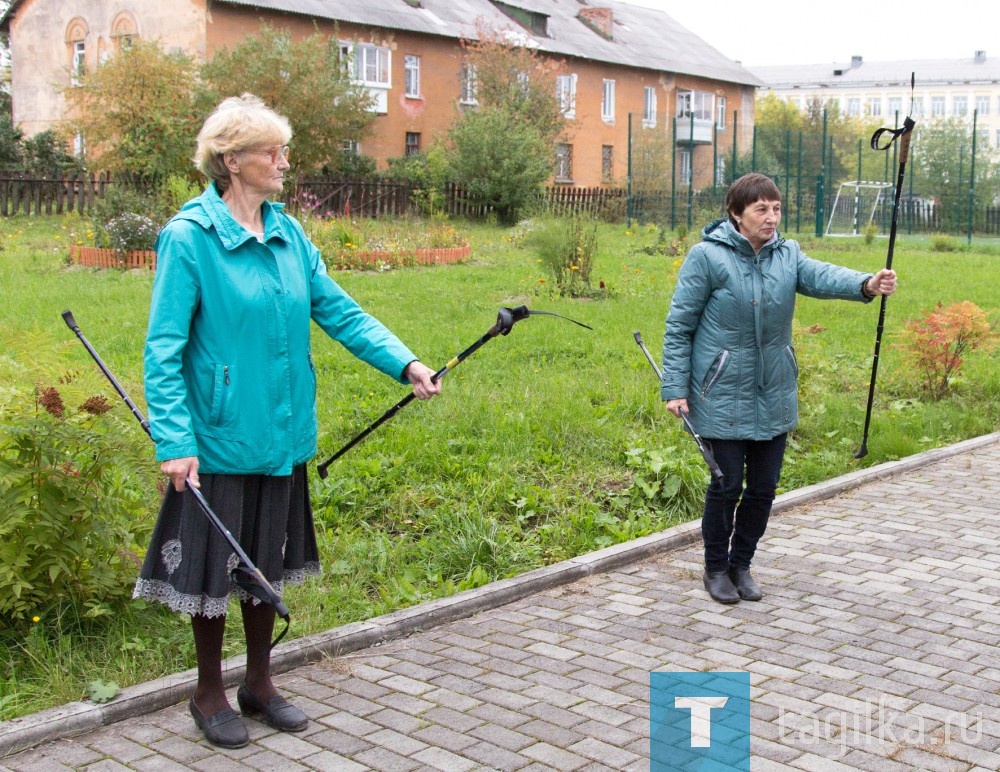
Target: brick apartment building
{"type": "Point", "coordinates": [619, 60]}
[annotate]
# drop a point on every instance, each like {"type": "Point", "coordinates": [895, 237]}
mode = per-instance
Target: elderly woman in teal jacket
{"type": "Point", "coordinates": [231, 391]}
{"type": "Point", "coordinates": [728, 362]}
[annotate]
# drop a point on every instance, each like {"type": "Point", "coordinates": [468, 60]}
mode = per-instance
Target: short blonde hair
{"type": "Point", "coordinates": [237, 124]}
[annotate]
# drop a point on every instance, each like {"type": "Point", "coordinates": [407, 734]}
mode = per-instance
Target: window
{"type": "Point", "coordinates": [937, 107]}
{"type": "Point", "coordinates": [649, 107]}
{"type": "Point", "coordinates": [983, 105]}
{"type": "Point", "coordinates": [77, 70]}
{"type": "Point", "coordinates": [411, 70]}
{"type": "Point", "coordinates": [469, 85]}
{"type": "Point", "coordinates": [854, 106]}
{"type": "Point", "coordinates": [720, 170]}
{"type": "Point", "coordinates": [959, 105]}
{"type": "Point", "coordinates": [566, 94]}
{"type": "Point", "coordinates": [685, 156]}
{"type": "Point", "coordinates": [700, 104]}
{"type": "Point", "coordinates": [895, 107]}
{"type": "Point", "coordinates": [607, 163]}
{"type": "Point", "coordinates": [875, 107]}
{"type": "Point", "coordinates": [998, 138]}
{"type": "Point", "coordinates": [124, 30]}
{"type": "Point", "coordinates": [608, 102]}
{"type": "Point", "coordinates": [412, 142]}
{"type": "Point", "coordinates": [76, 36]}
{"type": "Point", "coordinates": [369, 65]}
{"type": "Point", "coordinates": [564, 162]}
{"type": "Point", "coordinates": [720, 113]}
{"type": "Point", "coordinates": [917, 107]}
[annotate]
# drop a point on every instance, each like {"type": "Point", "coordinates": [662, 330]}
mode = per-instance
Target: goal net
{"type": "Point", "coordinates": [856, 205]}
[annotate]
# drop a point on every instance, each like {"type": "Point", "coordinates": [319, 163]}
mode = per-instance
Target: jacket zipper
{"type": "Point", "coordinates": [723, 357]}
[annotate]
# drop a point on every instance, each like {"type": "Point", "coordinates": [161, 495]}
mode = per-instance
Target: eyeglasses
{"type": "Point", "coordinates": [275, 151]}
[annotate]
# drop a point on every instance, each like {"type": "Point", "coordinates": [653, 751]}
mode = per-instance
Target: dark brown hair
{"type": "Point", "coordinates": [749, 189]}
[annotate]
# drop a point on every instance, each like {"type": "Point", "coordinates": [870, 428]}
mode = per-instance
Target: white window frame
{"type": "Point", "coordinates": [566, 94]}
{"type": "Point", "coordinates": [564, 162]}
{"type": "Point", "coordinates": [608, 101]}
{"type": "Point", "coordinates": [895, 107]}
{"type": "Point", "coordinates": [937, 106]}
{"type": "Point", "coordinates": [917, 107]}
{"type": "Point", "coordinates": [685, 161]}
{"type": "Point", "coordinates": [79, 63]}
{"type": "Point", "coordinates": [649, 107]}
{"type": "Point", "coordinates": [983, 104]}
{"type": "Point", "coordinates": [700, 103]}
{"type": "Point", "coordinates": [368, 64]}
{"type": "Point", "coordinates": [470, 85]}
{"type": "Point", "coordinates": [853, 106]}
{"type": "Point", "coordinates": [959, 106]}
{"type": "Point", "coordinates": [874, 107]}
{"type": "Point", "coordinates": [720, 113]}
{"type": "Point", "coordinates": [720, 170]}
{"type": "Point", "coordinates": [411, 75]}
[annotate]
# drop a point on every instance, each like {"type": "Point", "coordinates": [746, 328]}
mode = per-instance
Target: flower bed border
{"type": "Point", "coordinates": [102, 257]}
{"type": "Point", "coordinates": [346, 259]}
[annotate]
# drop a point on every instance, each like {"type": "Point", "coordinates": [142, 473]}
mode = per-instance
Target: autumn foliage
{"type": "Point", "coordinates": [938, 343]}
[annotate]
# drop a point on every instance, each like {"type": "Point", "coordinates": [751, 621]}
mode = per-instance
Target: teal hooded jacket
{"type": "Point", "coordinates": [229, 374]}
{"type": "Point", "coordinates": [728, 343]}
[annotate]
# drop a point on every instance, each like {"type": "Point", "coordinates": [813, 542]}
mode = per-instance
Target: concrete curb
{"type": "Point", "coordinates": [22, 733]}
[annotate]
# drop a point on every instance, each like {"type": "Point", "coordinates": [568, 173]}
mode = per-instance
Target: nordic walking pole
{"type": "Point", "coordinates": [706, 454]}
{"type": "Point", "coordinates": [506, 318]}
{"type": "Point", "coordinates": [903, 135]}
{"type": "Point", "coordinates": [253, 580]}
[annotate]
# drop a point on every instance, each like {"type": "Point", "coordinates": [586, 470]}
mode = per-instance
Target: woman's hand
{"type": "Point", "coordinates": [882, 283]}
{"type": "Point", "coordinates": [677, 406]}
{"type": "Point", "coordinates": [419, 375]}
{"type": "Point", "coordinates": [181, 469]}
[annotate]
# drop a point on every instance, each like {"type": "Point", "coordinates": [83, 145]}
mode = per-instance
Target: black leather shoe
{"type": "Point", "coordinates": [224, 728]}
{"type": "Point", "coordinates": [720, 587]}
{"type": "Point", "coordinates": [276, 712]}
{"type": "Point", "coordinates": [745, 585]}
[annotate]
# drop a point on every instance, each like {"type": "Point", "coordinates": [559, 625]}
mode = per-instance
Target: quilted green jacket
{"type": "Point", "coordinates": [728, 342]}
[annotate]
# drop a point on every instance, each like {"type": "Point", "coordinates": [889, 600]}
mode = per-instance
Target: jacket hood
{"type": "Point", "coordinates": [209, 210]}
{"type": "Point", "coordinates": [721, 231]}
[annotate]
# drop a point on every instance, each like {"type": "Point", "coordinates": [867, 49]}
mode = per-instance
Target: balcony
{"type": "Point", "coordinates": [696, 131]}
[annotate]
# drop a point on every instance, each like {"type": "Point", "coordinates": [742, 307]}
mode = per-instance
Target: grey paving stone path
{"type": "Point", "coordinates": [875, 648]}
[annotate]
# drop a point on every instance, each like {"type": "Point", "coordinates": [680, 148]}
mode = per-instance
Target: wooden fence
{"type": "Point", "coordinates": [24, 193]}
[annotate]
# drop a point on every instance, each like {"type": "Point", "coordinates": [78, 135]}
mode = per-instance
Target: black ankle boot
{"type": "Point", "coordinates": [745, 585]}
{"type": "Point", "coordinates": [721, 587]}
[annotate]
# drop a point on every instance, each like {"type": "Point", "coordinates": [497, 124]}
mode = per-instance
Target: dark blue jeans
{"type": "Point", "coordinates": [761, 460]}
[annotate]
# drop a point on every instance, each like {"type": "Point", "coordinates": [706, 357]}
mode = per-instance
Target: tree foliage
{"type": "Point", "coordinates": [136, 114]}
{"type": "Point", "coordinates": [304, 80]}
{"type": "Point", "coordinates": [504, 149]}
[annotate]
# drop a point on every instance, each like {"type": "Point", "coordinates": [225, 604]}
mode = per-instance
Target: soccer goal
{"type": "Point", "coordinates": [856, 205]}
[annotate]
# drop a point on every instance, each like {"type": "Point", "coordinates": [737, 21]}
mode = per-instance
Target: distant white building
{"type": "Point", "coordinates": [945, 88]}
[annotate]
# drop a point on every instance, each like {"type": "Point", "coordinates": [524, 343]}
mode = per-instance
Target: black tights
{"type": "Point", "coordinates": [258, 626]}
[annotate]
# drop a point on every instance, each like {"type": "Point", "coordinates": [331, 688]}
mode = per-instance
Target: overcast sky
{"type": "Point", "coordinates": [803, 32]}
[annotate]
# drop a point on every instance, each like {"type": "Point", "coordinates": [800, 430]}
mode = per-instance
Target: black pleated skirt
{"type": "Point", "coordinates": [188, 564]}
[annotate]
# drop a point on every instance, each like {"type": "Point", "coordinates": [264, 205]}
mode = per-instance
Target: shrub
{"type": "Point", "coordinates": [942, 242]}
{"type": "Point", "coordinates": [130, 231]}
{"type": "Point", "coordinates": [938, 343]}
{"type": "Point", "coordinates": [70, 507]}
{"type": "Point", "coordinates": [122, 219]}
{"type": "Point", "coordinates": [869, 232]}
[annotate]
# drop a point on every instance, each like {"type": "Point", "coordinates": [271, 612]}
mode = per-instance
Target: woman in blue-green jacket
{"type": "Point", "coordinates": [728, 362]}
{"type": "Point", "coordinates": [231, 391]}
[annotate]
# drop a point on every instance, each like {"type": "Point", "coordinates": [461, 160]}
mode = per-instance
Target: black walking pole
{"type": "Point", "coordinates": [706, 454]}
{"type": "Point", "coordinates": [247, 575]}
{"type": "Point", "coordinates": [903, 135]}
{"type": "Point", "coordinates": [506, 318]}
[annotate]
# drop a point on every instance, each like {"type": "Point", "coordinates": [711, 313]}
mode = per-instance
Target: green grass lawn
{"type": "Point", "coordinates": [546, 443]}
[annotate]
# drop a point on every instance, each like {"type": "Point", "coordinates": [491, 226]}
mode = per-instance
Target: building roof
{"type": "Point", "coordinates": [642, 38]}
{"type": "Point", "coordinates": [859, 74]}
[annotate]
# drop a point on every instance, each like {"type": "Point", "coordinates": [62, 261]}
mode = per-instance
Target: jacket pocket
{"type": "Point", "coordinates": [714, 371]}
{"type": "Point", "coordinates": [791, 358]}
{"type": "Point", "coordinates": [220, 395]}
